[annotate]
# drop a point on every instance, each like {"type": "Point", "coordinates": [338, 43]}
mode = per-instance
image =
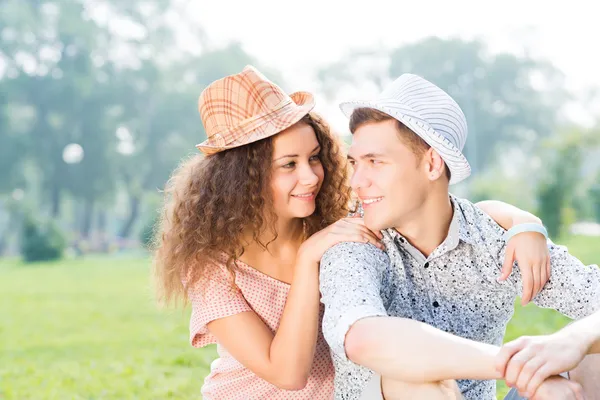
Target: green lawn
{"type": "Point", "coordinates": [90, 330]}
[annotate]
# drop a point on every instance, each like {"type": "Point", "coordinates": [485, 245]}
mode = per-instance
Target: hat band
{"type": "Point", "coordinates": [231, 134]}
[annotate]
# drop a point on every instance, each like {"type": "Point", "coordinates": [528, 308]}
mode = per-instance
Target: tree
{"type": "Point", "coordinates": [49, 54]}
{"type": "Point", "coordinates": [595, 197]}
{"type": "Point", "coordinates": [163, 119]}
{"type": "Point", "coordinates": [128, 97]}
{"type": "Point", "coordinates": [562, 176]}
{"type": "Point", "coordinates": [507, 99]}
{"type": "Point", "coordinates": [11, 148]}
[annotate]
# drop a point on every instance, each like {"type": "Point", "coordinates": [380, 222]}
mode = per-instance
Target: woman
{"type": "Point", "coordinates": [244, 229]}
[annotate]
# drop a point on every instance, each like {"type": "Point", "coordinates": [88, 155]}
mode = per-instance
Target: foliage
{"type": "Point", "coordinates": [41, 240]}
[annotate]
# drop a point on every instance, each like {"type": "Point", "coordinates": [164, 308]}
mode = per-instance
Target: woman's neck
{"type": "Point", "coordinates": [279, 258]}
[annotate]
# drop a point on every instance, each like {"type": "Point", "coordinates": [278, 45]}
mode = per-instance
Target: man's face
{"type": "Point", "coordinates": [388, 177]}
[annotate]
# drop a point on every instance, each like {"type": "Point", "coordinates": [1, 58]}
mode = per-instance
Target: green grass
{"type": "Point", "coordinates": [90, 330]}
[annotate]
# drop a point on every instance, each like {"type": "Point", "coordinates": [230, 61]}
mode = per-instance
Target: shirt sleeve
{"type": "Point", "coordinates": [350, 282]}
{"type": "Point", "coordinates": [573, 288]}
{"type": "Point", "coordinates": [214, 298]}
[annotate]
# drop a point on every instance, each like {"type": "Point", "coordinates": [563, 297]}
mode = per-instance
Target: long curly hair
{"type": "Point", "coordinates": [212, 202]}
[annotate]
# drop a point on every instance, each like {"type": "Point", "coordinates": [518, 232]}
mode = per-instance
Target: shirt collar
{"type": "Point", "coordinates": [467, 232]}
{"type": "Point", "coordinates": [460, 230]}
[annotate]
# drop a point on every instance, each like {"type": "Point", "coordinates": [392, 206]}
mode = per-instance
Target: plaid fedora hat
{"type": "Point", "coordinates": [429, 112]}
{"type": "Point", "coordinates": [247, 107]}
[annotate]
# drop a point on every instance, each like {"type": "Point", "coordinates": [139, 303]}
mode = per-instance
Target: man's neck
{"type": "Point", "coordinates": [428, 226]}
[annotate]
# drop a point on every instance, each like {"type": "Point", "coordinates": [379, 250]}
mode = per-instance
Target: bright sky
{"type": "Point", "coordinates": [296, 37]}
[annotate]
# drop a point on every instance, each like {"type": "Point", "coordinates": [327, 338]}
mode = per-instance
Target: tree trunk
{"type": "Point", "coordinates": [134, 210]}
{"type": "Point", "coordinates": [5, 234]}
{"type": "Point", "coordinates": [88, 213]}
{"type": "Point", "coordinates": [102, 233]}
{"type": "Point", "coordinates": [55, 199]}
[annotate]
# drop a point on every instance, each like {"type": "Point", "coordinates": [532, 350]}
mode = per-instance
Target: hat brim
{"type": "Point", "coordinates": [457, 163]}
{"type": "Point", "coordinates": [275, 123]}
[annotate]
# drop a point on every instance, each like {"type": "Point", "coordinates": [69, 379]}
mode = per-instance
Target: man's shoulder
{"type": "Point", "coordinates": [353, 254]}
{"type": "Point", "coordinates": [474, 223]}
{"type": "Point", "coordinates": [471, 211]}
{"type": "Point", "coordinates": [466, 207]}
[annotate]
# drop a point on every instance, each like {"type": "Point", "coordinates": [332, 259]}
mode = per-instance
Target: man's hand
{"type": "Point", "coordinates": [558, 388]}
{"type": "Point", "coordinates": [527, 362]}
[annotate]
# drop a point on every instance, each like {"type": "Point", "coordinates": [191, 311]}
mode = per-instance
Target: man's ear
{"type": "Point", "coordinates": [435, 167]}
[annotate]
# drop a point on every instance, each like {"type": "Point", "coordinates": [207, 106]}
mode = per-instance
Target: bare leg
{"type": "Point", "coordinates": [587, 374]}
{"type": "Point", "coordinates": [398, 390]}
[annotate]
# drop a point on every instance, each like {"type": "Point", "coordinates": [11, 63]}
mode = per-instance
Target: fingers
{"type": "Point", "coordinates": [528, 371]}
{"type": "Point", "coordinates": [354, 220]}
{"type": "Point", "coordinates": [349, 232]}
{"type": "Point", "coordinates": [367, 238]}
{"type": "Point", "coordinates": [516, 364]}
{"type": "Point", "coordinates": [361, 221]}
{"type": "Point", "coordinates": [577, 390]}
{"type": "Point", "coordinates": [537, 280]}
{"type": "Point", "coordinates": [350, 225]}
{"type": "Point", "coordinates": [557, 387]}
{"type": "Point", "coordinates": [363, 230]}
{"type": "Point", "coordinates": [509, 260]}
{"type": "Point", "coordinates": [548, 269]}
{"type": "Point", "coordinates": [357, 223]}
{"type": "Point", "coordinates": [527, 281]}
{"type": "Point", "coordinates": [536, 380]}
{"type": "Point", "coordinates": [506, 353]}
{"type": "Point", "coordinates": [543, 276]}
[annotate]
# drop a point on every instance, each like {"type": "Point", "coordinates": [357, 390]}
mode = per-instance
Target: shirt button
{"type": "Point", "coordinates": [426, 265]}
{"type": "Point", "coordinates": [436, 304]}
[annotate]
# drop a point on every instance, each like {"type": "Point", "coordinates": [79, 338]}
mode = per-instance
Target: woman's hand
{"type": "Point", "coordinates": [530, 251]}
{"type": "Point", "coordinates": [345, 230]}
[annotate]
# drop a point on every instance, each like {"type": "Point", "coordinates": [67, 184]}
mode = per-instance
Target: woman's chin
{"type": "Point", "coordinates": [303, 213]}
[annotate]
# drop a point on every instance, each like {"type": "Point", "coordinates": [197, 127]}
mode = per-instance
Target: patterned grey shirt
{"type": "Point", "coordinates": [454, 289]}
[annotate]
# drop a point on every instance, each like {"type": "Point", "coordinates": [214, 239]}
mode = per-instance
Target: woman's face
{"type": "Point", "coordinates": [297, 173]}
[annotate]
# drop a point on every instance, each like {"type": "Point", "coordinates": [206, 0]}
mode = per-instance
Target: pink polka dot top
{"type": "Point", "coordinates": [266, 296]}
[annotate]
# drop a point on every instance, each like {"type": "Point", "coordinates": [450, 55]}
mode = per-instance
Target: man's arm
{"type": "Point", "coordinates": [350, 279]}
{"type": "Point", "coordinates": [574, 288]}
{"type": "Point", "coordinates": [592, 325]}
{"type": "Point", "coordinates": [357, 327]}
{"type": "Point", "coordinates": [411, 351]}
{"type": "Point", "coordinates": [585, 331]}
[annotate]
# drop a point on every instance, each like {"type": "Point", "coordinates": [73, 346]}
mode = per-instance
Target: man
{"type": "Point", "coordinates": [430, 310]}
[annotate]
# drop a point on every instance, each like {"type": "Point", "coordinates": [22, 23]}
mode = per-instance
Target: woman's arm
{"type": "Point", "coordinates": [507, 215]}
{"type": "Point", "coordinates": [283, 358]}
{"type": "Point", "coordinates": [529, 249]}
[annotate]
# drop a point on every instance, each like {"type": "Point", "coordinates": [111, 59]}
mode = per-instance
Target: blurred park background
{"type": "Point", "coordinates": [98, 104]}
